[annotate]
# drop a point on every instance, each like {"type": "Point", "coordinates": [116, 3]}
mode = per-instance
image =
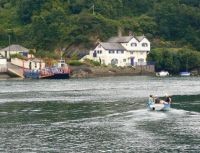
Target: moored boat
{"type": "Point", "coordinates": [162, 73]}
{"type": "Point", "coordinates": [59, 71]}
{"type": "Point", "coordinates": [185, 73]}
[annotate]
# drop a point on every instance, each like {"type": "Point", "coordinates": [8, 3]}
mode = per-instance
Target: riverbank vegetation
{"type": "Point", "coordinates": [175, 60]}
{"type": "Point", "coordinates": [77, 25]}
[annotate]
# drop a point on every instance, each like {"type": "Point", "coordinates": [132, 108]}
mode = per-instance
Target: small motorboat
{"type": "Point", "coordinates": [159, 107]}
{"type": "Point", "coordinates": [185, 73]}
{"type": "Point", "coordinates": [162, 73]}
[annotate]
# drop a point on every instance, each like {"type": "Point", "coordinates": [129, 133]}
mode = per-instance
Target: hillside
{"type": "Point", "coordinates": [47, 24]}
{"type": "Point", "coordinates": [75, 26]}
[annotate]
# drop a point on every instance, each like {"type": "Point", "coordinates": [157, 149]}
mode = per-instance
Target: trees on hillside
{"type": "Point", "coordinates": [174, 60]}
{"type": "Point", "coordinates": [46, 24]}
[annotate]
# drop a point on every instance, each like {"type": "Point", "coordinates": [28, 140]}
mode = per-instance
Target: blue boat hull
{"type": "Point", "coordinates": [57, 76]}
{"type": "Point", "coordinates": [36, 75]}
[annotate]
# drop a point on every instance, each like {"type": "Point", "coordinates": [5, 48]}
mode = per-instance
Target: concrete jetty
{"type": "Point", "coordinates": [15, 70]}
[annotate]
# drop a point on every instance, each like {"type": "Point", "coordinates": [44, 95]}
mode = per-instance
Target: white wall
{"type": "Point", "coordinates": [3, 61]}
{"type": "Point", "coordinates": [25, 64]}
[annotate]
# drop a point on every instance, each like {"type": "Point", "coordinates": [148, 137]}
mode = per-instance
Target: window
{"type": "Point", "coordinates": [110, 51]}
{"type": "Point", "coordinates": [144, 44]}
{"type": "Point", "coordinates": [114, 61]}
{"type": "Point", "coordinates": [100, 51]}
{"type": "Point", "coordinates": [95, 54]}
{"type": "Point", "coordinates": [131, 52]}
{"type": "Point", "coordinates": [133, 44]}
{"type": "Point", "coordinates": [124, 60]}
{"type": "Point", "coordinates": [141, 61]}
{"type": "Point", "coordinates": [122, 52]}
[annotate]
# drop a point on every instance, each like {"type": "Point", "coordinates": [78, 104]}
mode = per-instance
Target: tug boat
{"type": "Point", "coordinates": [59, 71]}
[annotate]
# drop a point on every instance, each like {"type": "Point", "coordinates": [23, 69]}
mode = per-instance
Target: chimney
{"type": "Point", "coordinates": [119, 31]}
{"type": "Point", "coordinates": [130, 33]}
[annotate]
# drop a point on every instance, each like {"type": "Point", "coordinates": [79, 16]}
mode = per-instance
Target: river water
{"type": "Point", "coordinates": [99, 115]}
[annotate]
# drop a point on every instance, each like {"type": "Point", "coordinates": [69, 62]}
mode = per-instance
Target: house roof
{"type": "Point", "coordinates": [140, 38]}
{"type": "Point", "coordinates": [125, 39]}
{"type": "Point", "coordinates": [112, 46]}
{"type": "Point", "coordinates": [122, 39]}
{"type": "Point", "coordinates": [15, 48]}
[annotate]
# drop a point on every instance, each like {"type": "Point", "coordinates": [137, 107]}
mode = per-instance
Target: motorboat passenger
{"type": "Point", "coordinates": [151, 100]}
{"type": "Point", "coordinates": [168, 99]}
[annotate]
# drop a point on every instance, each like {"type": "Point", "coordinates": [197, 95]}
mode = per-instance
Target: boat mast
{"type": "Point", "coordinates": [186, 65]}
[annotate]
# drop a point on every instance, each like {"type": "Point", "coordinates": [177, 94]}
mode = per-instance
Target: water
{"type": "Point", "coordinates": [99, 115]}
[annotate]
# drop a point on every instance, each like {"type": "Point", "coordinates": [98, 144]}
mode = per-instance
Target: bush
{"type": "Point", "coordinates": [18, 56]}
{"type": "Point", "coordinates": [91, 62]}
{"type": "Point", "coordinates": [75, 63]}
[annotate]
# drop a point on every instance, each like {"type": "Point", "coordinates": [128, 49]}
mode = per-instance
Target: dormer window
{"type": "Point", "coordinates": [144, 45]}
{"type": "Point", "coordinates": [134, 44]}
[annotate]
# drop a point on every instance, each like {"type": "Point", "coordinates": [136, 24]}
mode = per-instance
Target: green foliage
{"type": "Point", "coordinates": [50, 24]}
{"type": "Point", "coordinates": [18, 56]}
{"type": "Point", "coordinates": [174, 60]}
{"type": "Point", "coordinates": [91, 62]}
{"type": "Point", "coordinates": [43, 54]}
{"type": "Point", "coordinates": [75, 63]}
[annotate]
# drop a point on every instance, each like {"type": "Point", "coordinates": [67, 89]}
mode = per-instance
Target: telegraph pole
{"type": "Point", "coordinates": [9, 45]}
{"type": "Point", "coordinates": [93, 11]}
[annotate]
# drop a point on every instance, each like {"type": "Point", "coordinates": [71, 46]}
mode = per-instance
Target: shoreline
{"type": "Point", "coordinates": [85, 71]}
{"type": "Point", "coordinates": [99, 71]}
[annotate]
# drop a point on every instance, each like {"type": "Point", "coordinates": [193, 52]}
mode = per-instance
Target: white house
{"type": "Point", "coordinates": [14, 49]}
{"type": "Point", "coordinates": [122, 51]}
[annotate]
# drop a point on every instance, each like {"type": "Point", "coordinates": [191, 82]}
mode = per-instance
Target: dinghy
{"type": "Point", "coordinates": [159, 107]}
{"type": "Point", "coordinates": [185, 73]}
{"type": "Point", "coordinates": [162, 73]}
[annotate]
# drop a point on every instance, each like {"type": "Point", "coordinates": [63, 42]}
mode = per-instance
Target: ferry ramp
{"type": "Point", "coordinates": [15, 70]}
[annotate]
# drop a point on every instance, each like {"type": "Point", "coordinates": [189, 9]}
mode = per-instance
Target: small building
{"type": "Point", "coordinates": [14, 49]}
{"type": "Point", "coordinates": [32, 64]}
{"type": "Point", "coordinates": [122, 51]}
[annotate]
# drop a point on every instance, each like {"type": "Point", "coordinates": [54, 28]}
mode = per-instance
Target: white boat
{"type": "Point", "coordinates": [159, 107]}
{"type": "Point", "coordinates": [185, 73]}
{"type": "Point", "coordinates": [162, 73]}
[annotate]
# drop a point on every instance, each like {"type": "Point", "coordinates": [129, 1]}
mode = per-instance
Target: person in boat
{"type": "Point", "coordinates": [151, 99]}
{"type": "Point", "coordinates": [159, 101]}
{"type": "Point", "coordinates": [168, 99]}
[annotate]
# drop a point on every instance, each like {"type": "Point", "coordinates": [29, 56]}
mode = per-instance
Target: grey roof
{"type": "Point", "coordinates": [112, 46]}
{"type": "Point", "coordinates": [140, 38]}
{"type": "Point", "coordinates": [125, 39]}
{"type": "Point", "coordinates": [122, 39]}
{"type": "Point", "coordinates": [15, 48]}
